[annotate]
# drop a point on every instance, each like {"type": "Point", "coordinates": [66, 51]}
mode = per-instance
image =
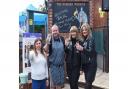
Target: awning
{"type": "Point", "coordinates": [39, 19]}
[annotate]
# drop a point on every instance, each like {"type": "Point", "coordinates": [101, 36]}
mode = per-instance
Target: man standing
{"type": "Point", "coordinates": [55, 47]}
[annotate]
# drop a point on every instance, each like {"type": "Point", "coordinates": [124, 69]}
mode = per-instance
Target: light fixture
{"type": "Point", "coordinates": [101, 12]}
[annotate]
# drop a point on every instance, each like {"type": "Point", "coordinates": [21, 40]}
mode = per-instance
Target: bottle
{"type": "Point", "coordinates": [48, 39]}
{"type": "Point", "coordinates": [77, 45]}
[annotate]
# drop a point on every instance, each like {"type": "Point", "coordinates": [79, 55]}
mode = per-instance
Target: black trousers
{"type": "Point", "coordinates": [73, 74]}
{"type": "Point", "coordinates": [90, 73]}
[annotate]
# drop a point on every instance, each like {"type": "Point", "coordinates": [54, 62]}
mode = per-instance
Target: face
{"type": "Point", "coordinates": [55, 31]}
{"type": "Point", "coordinates": [38, 45]}
{"type": "Point", "coordinates": [73, 34]}
{"type": "Point", "coordinates": [85, 31]}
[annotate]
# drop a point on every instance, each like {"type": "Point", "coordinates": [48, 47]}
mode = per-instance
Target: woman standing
{"type": "Point", "coordinates": [89, 62]}
{"type": "Point", "coordinates": [39, 69]}
{"type": "Point", "coordinates": [73, 60]}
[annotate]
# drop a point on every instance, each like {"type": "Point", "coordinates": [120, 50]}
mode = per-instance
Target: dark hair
{"type": "Point", "coordinates": [38, 39]}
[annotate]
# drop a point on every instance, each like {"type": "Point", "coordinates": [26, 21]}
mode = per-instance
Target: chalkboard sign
{"type": "Point", "coordinates": [68, 14]}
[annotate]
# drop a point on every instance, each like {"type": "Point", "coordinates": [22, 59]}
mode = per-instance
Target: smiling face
{"type": "Point", "coordinates": [55, 31]}
{"type": "Point", "coordinates": [38, 45]}
{"type": "Point", "coordinates": [73, 34]}
{"type": "Point", "coordinates": [85, 31]}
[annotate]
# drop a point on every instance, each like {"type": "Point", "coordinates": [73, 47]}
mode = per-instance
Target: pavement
{"type": "Point", "coordinates": [101, 81]}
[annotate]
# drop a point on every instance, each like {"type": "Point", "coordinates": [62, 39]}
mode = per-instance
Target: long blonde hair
{"type": "Point", "coordinates": [87, 26]}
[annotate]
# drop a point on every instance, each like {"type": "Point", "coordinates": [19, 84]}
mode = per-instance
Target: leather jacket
{"type": "Point", "coordinates": [88, 55]}
{"type": "Point", "coordinates": [73, 56]}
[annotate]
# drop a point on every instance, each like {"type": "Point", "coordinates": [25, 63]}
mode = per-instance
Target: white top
{"type": "Point", "coordinates": [39, 69]}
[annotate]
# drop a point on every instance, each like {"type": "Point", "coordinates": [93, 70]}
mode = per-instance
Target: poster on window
{"type": "Point", "coordinates": [28, 42]}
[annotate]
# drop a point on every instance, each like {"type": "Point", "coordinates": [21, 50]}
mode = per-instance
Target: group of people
{"type": "Point", "coordinates": [77, 51]}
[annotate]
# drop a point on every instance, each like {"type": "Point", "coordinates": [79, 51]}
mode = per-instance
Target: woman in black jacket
{"type": "Point", "coordinates": [73, 58]}
{"type": "Point", "coordinates": [88, 55]}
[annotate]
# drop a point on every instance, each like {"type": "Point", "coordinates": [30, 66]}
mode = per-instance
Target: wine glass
{"type": "Point", "coordinates": [48, 39]}
{"type": "Point", "coordinates": [77, 46]}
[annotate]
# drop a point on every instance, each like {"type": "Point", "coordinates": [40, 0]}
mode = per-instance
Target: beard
{"type": "Point", "coordinates": [56, 35]}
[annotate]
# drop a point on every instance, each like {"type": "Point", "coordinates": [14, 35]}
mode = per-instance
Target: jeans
{"type": "Point", "coordinates": [38, 84]}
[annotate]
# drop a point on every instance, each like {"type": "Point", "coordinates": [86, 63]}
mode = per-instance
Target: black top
{"type": "Point", "coordinates": [72, 55]}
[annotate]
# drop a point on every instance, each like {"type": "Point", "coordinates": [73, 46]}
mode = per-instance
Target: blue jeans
{"type": "Point", "coordinates": [38, 84]}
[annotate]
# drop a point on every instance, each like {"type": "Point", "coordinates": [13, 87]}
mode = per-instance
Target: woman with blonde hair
{"type": "Point", "coordinates": [88, 55]}
{"type": "Point", "coordinates": [73, 60]}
